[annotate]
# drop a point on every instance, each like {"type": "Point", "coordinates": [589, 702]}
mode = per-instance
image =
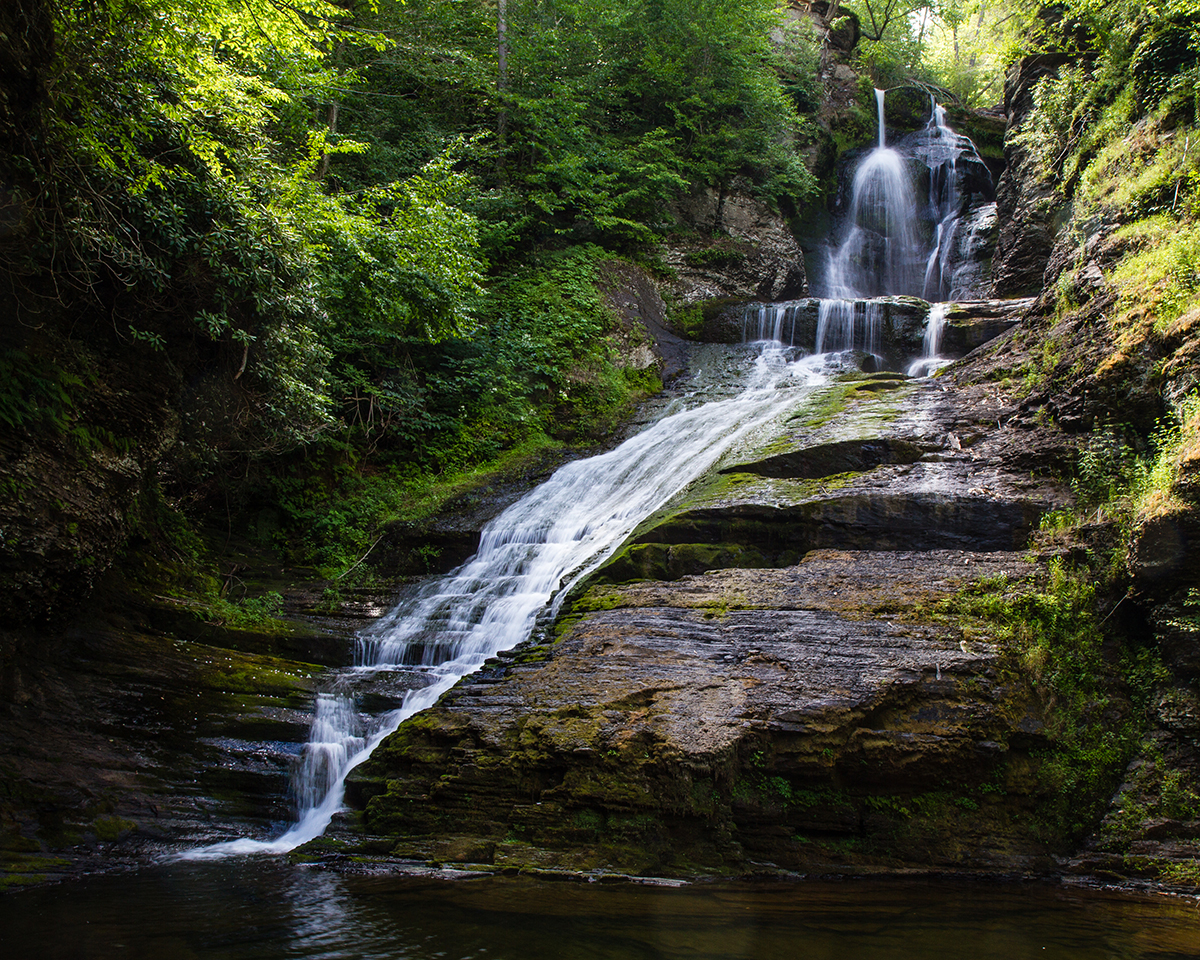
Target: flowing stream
{"type": "Point", "coordinates": [529, 557]}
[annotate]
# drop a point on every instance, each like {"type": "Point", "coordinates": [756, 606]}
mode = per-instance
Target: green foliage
{"type": "Point", "coordinates": [287, 212]}
{"type": "Point", "coordinates": [248, 613]}
{"type": "Point", "coordinates": [889, 47]}
{"type": "Point", "coordinates": [1062, 111]}
{"type": "Point", "coordinates": [1163, 275]}
{"type": "Point", "coordinates": [1110, 466]}
{"type": "Point", "coordinates": [1054, 637]}
{"type": "Point", "coordinates": [966, 45]}
{"type": "Point", "coordinates": [34, 397]}
{"type": "Point", "coordinates": [1177, 435]}
{"type": "Point", "coordinates": [175, 170]}
{"type": "Point", "coordinates": [612, 111]}
{"type": "Point", "coordinates": [713, 257]}
{"type": "Point", "coordinates": [689, 320]}
{"type": "Point", "coordinates": [1143, 59]}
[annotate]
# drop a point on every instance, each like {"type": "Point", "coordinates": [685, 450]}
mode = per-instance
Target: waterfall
{"type": "Point", "coordinates": [880, 253]}
{"type": "Point", "coordinates": [931, 343]}
{"type": "Point", "coordinates": [879, 115]}
{"type": "Point", "coordinates": [914, 222]}
{"type": "Point", "coordinates": [767, 322]}
{"type": "Point", "coordinates": [849, 325]}
{"type": "Point", "coordinates": [529, 558]}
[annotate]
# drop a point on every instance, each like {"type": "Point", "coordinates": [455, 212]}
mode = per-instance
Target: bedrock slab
{"type": "Point", "coordinates": [822, 716]}
{"type": "Point", "coordinates": [871, 464]}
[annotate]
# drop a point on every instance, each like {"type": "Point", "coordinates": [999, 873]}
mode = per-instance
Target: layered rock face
{"type": "Point", "coordinates": [783, 686]}
{"type": "Point", "coordinates": [1030, 201]}
{"type": "Point", "coordinates": [749, 253]}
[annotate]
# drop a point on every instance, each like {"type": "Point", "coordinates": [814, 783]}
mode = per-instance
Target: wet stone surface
{"type": "Point", "coordinates": [767, 677]}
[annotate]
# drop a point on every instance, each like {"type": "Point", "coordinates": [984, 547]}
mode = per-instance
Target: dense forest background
{"type": "Point", "coordinates": [309, 261]}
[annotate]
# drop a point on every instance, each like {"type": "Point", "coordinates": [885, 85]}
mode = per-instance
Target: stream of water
{"type": "Point", "coordinates": [532, 554]}
{"type": "Point", "coordinates": [529, 557]}
{"type": "Point", "coordinates": [227, 903]}
{"type": "Point", "coordinates": [893, 239]}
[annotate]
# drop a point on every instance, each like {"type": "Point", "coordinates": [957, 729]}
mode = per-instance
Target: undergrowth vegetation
{"type": "Point", "coordinates": [1095, 701]}
{"type": "Point", "coordinates": [357, 243]}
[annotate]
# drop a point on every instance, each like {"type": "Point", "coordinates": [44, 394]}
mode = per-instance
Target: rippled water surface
{"type": "Point", "coordinates": [265, 909]}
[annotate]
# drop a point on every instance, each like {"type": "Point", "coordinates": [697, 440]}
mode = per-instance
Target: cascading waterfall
{"type": "Point", "coordinates": [880, 253]}
{"type": "Point", "coordinates": [770, 322]}
{"type": "Point", "coordinates": [849, 325]}
{"type": "Point", "coordinates": [931, 343]}
{"type": "Point", "coordinates": [529, 558]}
{"type": "Point", "coordinates": [891, 245]}
{"type": "Point", "coordinates": [943, 151]}
{"type": "Point", "coordinates": [532, 554]}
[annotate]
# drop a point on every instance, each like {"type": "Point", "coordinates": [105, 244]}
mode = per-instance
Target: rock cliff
{"type": "Point", "coordinates": [897, 633]}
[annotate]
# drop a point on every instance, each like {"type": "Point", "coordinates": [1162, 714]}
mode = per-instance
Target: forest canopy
{"type": "Point", "coordinates": [372, 229]}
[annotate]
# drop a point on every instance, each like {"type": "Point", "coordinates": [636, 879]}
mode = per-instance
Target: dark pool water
{"type": "Point", "coordinates": [266, 909]}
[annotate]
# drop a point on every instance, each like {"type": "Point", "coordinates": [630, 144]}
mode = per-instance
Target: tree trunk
{"type": "Point", "coordinates": [331, 115]}
{"type": "Point", "coordinates": [331, 118]}
{"type": "Point", "coordinates": [975, 40]}
{"type": "Point", "coordinates": [502, 72]}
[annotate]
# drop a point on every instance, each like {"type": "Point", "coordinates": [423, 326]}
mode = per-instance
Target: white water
{"type": "Point", "coordinates": [892, 246]}
{"type": "Point", "coordinates": [880, 253]}
{"type": "Point", "coordinates": [772, 322]}
{"type": "Point", "coordinates": [849, 325]}
{"type": "Point", "coordinates": [529, 558]}
{"type": "Point", "coordinates": [931, 344]}
{"type": "Point", "coordinates": [879, 114]}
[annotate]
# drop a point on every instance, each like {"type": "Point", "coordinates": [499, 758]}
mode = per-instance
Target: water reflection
{"type": "Point", "coordinates": [266, 910]}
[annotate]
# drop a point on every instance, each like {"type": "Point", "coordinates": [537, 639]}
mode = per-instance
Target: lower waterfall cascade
{"type": "Point", "coordinates": [529, 558]}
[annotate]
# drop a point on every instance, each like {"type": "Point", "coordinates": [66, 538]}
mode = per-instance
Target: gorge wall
{"type": "Point", "coordinates": [752, 685]}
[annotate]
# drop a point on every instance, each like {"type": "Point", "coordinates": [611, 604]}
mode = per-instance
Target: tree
{"type": "Point", "coordinates": [174, 179]}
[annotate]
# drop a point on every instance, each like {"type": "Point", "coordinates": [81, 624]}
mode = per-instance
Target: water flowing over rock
{"type": "Point", "coordinates": [751, 677]}
{"type": "Point", "coordinates": [913, 216]}
{"type": "Point", "coordinates": [528, 559]}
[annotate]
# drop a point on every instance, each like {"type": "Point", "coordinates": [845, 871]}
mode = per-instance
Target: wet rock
{"type": "Point", "coordinates": [772, 688]}
{"type": "Point", "coordinates": [1030, 205]}
{"type": "Point", "coordinates": [634, 296]}
{"type": "Point", "coordinates": [675, 730]}
{"type": "Point", "coordinates": [928, 481]}
{"type": "Point", "coordinates": [754, 255]}
{"type": "Point", "coordinates": [73, 496]}
{"type": "Point", "coordinates": [970, 324]}
{"type": "Point", "coordinates": [825, 460]}
{"type": "Point", "coordinates": [899, 323]}
{"type": "Point", "coordinates": [974, 247]}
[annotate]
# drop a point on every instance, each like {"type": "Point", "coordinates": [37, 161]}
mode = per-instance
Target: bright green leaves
{"type": "Point", "coordinates": [614, 110]}
{"type": "Point", "coordinates": [401, 259]}
{"type": "Point", "coordinates": [178, 168]}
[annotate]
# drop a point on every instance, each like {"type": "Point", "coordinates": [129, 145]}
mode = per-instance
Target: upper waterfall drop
{"type": "Point", "coordinates": [900, 229]}
{"type": "Point", "coordinates": [880, 251]}
{"type": "Point", "coordinates": [914, 214]}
